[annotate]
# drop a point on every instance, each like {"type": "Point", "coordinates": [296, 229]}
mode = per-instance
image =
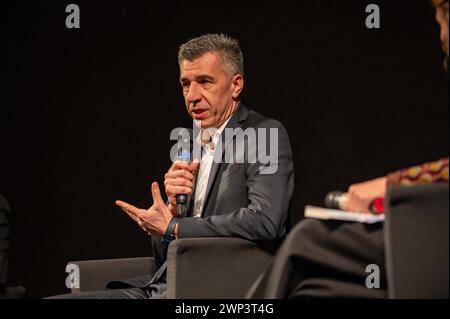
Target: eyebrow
{"type": "Point", "coordinates": [199, 78]}
{"type": "Point", "coordinates": [204, 77]}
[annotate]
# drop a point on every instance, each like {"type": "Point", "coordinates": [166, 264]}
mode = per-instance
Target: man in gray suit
{"type": "Point", "coordinates": [234, 189]}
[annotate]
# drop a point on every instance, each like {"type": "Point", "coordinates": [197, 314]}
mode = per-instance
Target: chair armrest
{"type": "Point", "coordinates": [417, 241]}
{"type": "Point", "coordinates": [90, 275]}
{"type": "Point", "coordinates": [219, 267]}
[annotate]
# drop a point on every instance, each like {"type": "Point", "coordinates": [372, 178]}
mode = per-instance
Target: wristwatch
{"type": "Point", "coordinates": [169, 235]}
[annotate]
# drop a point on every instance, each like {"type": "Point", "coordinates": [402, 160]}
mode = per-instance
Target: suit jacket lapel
{"type": "Point", "coordinates": [239, 116]}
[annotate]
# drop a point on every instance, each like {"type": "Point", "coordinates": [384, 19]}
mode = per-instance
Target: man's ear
{"type": "Point", "coordinates": [237, 85]}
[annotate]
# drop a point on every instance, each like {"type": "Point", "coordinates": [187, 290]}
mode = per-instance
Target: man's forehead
{"type": "Point", "coordinates": [206, 63]}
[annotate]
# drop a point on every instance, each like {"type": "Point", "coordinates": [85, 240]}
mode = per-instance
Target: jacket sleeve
{"type": "Point", "coordinates": [427, 173]}
{"type": "Point", "coordinates": [269, 197]}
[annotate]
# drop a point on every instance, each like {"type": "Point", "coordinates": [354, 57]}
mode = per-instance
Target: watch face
{"type": "Point", "coordinates": [168, 238]}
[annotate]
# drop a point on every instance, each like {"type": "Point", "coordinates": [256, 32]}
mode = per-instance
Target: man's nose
{"type": "Point", "coordinates": [194, 95]}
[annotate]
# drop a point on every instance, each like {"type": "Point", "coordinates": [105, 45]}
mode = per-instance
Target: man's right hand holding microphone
{"type": "Point", "coordinates": [179, 180]}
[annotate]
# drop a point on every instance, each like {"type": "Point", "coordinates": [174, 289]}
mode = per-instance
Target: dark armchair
{"type": "Point", "coordinates": [416, 242]}
{"type": "Point", "coordinates": [416, 236]}
{"type": "Point", "coordinates": [218, 267]}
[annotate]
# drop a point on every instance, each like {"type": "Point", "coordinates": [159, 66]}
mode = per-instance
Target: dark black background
{"type": "Point", "coordinates": [86, 113]}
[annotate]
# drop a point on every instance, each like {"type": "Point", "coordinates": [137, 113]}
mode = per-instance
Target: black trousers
{"type": "Point", "coordinates": [326, 259]}
{"type": "Point", "coordinates": [153, 291]}
{"type": "Point", "coordinates": [129, 293]}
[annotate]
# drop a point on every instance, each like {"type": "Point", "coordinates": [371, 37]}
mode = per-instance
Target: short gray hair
{"type": "Point", "coordinates": [225, 46]}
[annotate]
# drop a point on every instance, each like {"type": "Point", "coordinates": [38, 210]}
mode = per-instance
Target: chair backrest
{"type": "Point", "coordinates": [417, 241]}
{"type": "Point", "coordinates": [216, 267]}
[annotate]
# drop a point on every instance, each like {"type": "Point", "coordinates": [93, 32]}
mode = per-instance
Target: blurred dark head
{"type": "Point", "coordinates": [4, 206]}
{"type": "Point", "coordinates": [441, 7]}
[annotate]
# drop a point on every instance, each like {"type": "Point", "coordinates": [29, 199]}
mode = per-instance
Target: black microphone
{"type": "Point", "coordinates": [336, 200]}
{"type": "Point", "coordinates": [184, 153]}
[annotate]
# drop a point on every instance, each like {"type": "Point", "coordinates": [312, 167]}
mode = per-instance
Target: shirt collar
{"type": "Point", "coordinates": [214, 135]}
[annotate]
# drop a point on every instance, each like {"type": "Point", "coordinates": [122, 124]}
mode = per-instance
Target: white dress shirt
{"type": "Point", "coordinates": [208, 150]}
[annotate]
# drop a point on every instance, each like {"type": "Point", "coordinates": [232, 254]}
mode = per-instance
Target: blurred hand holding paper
{"type": "Point", "coordinates": [334, 214]}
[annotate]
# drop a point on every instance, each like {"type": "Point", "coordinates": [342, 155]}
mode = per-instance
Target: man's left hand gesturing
{"type": "Point", "coordinates": [154, 220]}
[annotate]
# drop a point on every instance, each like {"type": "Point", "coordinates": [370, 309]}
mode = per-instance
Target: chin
{"type": "Point", "coordinates": [201, 123]}
{"type": "Point", "coordinates": [205, 125]}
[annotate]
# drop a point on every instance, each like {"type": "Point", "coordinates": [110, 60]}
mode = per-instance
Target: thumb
{"type": "Point", "coordinates": [156, 194]}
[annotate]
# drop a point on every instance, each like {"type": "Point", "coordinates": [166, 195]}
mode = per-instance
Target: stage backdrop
{"type": "Point", "coordinates": [86, 114]}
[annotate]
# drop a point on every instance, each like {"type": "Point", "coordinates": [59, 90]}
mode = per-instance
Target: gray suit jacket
{"type": "Point", "coordinates": [240, 200]}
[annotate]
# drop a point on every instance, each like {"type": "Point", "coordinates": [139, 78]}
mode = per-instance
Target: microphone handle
{"type": "Point", "coordinates": [181, 202]}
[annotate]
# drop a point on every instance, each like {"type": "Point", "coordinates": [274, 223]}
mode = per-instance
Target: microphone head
{"type": "Point", "coordinates": [333, 199]}
{"type": "Point", "coordinates": [185, 145]}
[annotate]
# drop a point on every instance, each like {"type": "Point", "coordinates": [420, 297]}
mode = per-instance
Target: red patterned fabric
{"type": "Point", "coordinates": [431, 172]}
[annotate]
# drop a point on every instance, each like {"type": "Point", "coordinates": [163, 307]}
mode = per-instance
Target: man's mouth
{"type": "Point", "coordinates": [199, 114]}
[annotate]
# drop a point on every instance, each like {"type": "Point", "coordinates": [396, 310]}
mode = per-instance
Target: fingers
{"type": "Point", "coordinates": [180, 179]}
{"type": "Point", "coordinates": [131, 210]}
{"type": "Point", "coordinates": [180, 165]}
{"type": "Point", "coordinates": [184, 174]}
{"type": "Point", "coordinates": [356, 203]}
{"type": "Point", "coordinates": [173, 191]}
{"type": "Point", "coordinates": [177, 186]}
{"type": "Point", "coordinates": [178, 182]}
{"type": "Point", "coordinates": [193, 166]}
